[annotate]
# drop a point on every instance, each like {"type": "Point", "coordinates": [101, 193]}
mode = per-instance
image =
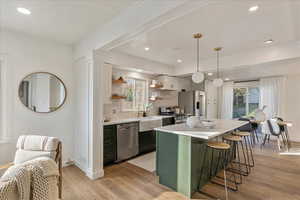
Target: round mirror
{"type": "Point", "coordinates": [42, 92]}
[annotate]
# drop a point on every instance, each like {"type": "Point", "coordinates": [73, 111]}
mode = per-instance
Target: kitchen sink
{"type": "Point", "coordinates": [149, 123]}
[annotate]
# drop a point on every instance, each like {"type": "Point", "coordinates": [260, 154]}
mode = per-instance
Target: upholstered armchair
{"type": "Point", "coordinates": [30, 147]}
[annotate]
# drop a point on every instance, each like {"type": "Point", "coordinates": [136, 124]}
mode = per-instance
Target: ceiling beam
{"type": "Point", "coordinates": [178, 12]}
{"type": "Point", "coordinates": [140, 17]}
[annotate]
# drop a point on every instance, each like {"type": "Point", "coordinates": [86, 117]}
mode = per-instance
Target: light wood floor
{"type": "Point", "coordinates": [273, 178]}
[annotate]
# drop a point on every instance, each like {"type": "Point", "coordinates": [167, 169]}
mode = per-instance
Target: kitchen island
{"type": "Point", "coordinates": [179, 152]}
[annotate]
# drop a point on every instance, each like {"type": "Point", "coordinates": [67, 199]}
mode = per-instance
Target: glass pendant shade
{"type": "Point", "coordinates": [218, 82]}
{"type": "Point", "coordinates": [198, 77]}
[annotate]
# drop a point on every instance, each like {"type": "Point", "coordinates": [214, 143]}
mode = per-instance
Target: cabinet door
{"type": "Point", "coordinates": [107, 84]}
{"type": "Point", "coordinates": [147, 141]}
{"type": "Point", "coordinates": [109, 144]}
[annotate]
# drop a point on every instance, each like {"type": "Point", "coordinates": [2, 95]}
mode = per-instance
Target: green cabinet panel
{"type": "Point", "coordinates": [109, 144]}
{"type": "Point", "coordinates": [147, 141]}
{"type": "Point", "coordinates": [179, 160]}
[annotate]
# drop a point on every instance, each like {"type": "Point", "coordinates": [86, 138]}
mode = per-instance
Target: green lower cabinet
{"type": "Point", "coordinates": [179, 160]}
{"type": "Point", "coordinates": [110, 144]}
{"type": "Point", "coordinates": [147, 142]}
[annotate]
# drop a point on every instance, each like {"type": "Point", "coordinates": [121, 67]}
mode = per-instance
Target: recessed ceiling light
{"type": "Point", "coordinates": [268, 41]}
{"type": "Point", "coordinates": [147, 48]}
{"type": "Point", "coordinates": [210, 73]}
{"type": "Point", "coordinates": [179, 60]}
{"type": "Point", "coordinates": [24, 11]}
{"type": "Point", "coordinates": [227, 79]}
{"type": "Point", "coordinates": [253, 8]}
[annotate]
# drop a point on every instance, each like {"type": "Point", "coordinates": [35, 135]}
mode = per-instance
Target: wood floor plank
{"type": "Point", "coordinates": [274, 177]}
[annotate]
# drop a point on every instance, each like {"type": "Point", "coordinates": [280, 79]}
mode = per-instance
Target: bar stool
{"type": "Point", "coordinates": [250, 127]}
{"type": "Point", "coordinates": [222, 149]}
{"type": "Point", "coordinates": [233, 141]}
{"type": "Point", "coordinates": [247, 141]}
{"type": "Point", "coordinates": [236, 141]}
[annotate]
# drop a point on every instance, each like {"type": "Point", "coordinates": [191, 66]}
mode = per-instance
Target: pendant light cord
{"type": "Point", "coordinates": [198, 55]}
{"type": "Point", "coordinates": [218, 71]}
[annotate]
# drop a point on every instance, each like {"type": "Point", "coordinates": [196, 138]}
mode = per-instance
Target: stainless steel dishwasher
{"type": "Point", "coordinates": [127, 141]}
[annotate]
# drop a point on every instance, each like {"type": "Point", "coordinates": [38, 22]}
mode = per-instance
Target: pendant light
{"type": "Point", "coordinates": [198, 76]}
{"type": "Point", "coordinates": [218, 82]}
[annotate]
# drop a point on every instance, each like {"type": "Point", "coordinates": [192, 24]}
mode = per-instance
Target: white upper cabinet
{"type": "Point", "coordinates": [107, 83]}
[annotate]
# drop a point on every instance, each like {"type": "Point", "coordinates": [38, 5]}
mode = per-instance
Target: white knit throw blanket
{"type": "Point", "coordinates": [19, 177]}
{"type": "Point", "coordinates": [39, 169]}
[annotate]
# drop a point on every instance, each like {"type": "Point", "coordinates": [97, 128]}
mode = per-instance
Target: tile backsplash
{"type": "Point", "coordinates": [114, 110]}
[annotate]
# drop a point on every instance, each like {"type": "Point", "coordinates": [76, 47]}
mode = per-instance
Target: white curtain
{"type": "Point", "coordinates": [227, 101]}
{"type": "Point", "coordinates": [272, 96]}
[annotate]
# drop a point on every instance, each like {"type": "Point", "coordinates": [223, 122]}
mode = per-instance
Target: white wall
{"type": "Point", "coordinates": [82, 69]}
{"type": "Point", "coordinates": [292, 102]}
{"type": "Point", "coordinates": [26, 54]}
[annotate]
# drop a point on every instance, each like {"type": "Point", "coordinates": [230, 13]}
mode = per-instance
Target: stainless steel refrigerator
{"type": "Point", "coordinates": [193, 103]}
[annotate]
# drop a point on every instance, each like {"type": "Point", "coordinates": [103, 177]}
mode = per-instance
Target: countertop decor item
{"type": "Point", "coordinates": [208, 123]}
{"type": "Point", "coordinates": [218, 82]}
{"type": "Point", "coordinates": [193, 122]}
{"type": "Point", "coordinates": [198, 76]}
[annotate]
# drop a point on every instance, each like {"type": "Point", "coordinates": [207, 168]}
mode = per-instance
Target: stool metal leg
{"type": "Point", "coordinates": [234, 154]}
{"type": "Point", "coordinates": [225, 158]}
{"type": "Point", "coordinates": [247, 153]}
{"type": "Point", "coordinates": [251, 151]}
{"type": "Point", "coordinates": [246, 159]}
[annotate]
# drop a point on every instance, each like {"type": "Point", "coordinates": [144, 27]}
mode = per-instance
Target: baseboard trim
{"type": "Point", "coordinates": [82, 168]}
{"type": "Point", "coordinates": [93, 175]}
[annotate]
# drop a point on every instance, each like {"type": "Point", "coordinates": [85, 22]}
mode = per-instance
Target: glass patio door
{"type": "Point", "coordinates": [245, 101]}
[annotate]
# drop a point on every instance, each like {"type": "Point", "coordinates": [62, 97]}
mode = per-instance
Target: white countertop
{"type": "Point", "coordinates": [222, 126]}
{"type": "Point", "coordinates": [128, 120]}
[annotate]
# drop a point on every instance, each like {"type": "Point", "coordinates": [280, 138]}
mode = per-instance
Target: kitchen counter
{"type": "Point", "coordinates": [137, 119]}
{"type": "Point", "coordinates": [221, 127]}
{"type": "Point", "coordinates": [180, 151]}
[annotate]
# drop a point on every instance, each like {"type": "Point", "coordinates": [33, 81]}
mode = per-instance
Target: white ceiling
{"type": "Point", "coordinates": [65, 21]}
{"type": "Point", "coordinates": [227, 24]}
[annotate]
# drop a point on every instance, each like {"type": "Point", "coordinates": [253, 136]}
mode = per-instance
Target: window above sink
{"type": "Point", "coordinates": [136, 94]}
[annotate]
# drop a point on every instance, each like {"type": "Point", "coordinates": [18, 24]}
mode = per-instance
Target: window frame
{"type": "Point", "coordinates": [246, 85]}
{"type": "Point", "coordinates": [146, 100]}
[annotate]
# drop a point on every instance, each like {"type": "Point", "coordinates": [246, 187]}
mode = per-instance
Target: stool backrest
{"type": "Point", "coordinates": [274, 127]}
{"type": "Point", "coordinates": [280, 119]}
